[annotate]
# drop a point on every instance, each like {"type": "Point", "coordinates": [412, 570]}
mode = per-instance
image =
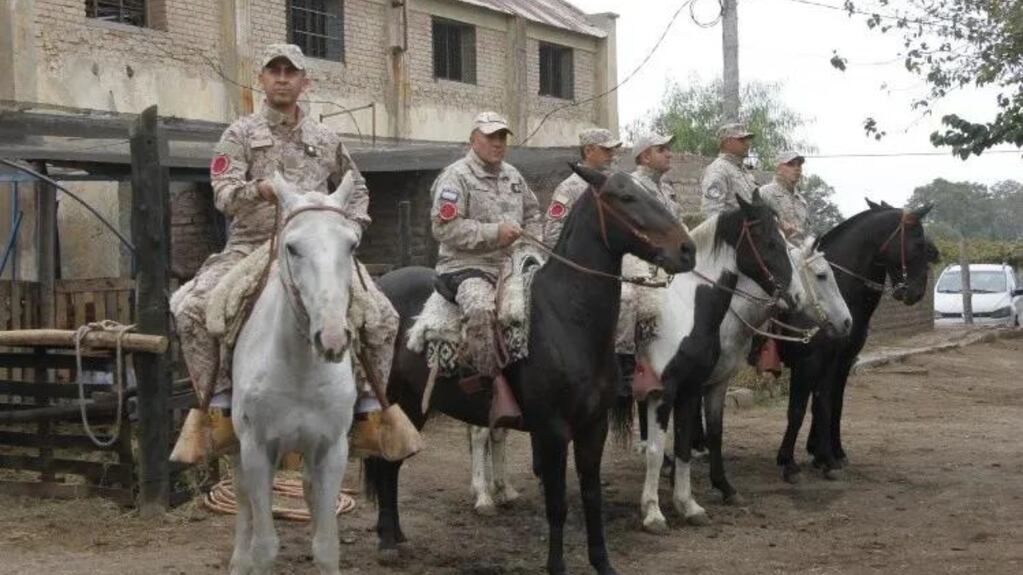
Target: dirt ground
{"type": "Point", "coordinates": [934, 487]}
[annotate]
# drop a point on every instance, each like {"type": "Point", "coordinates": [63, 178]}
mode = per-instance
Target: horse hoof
{"type": "Point", "coordinates": [735, 500]}
{"type": "Point", "coordinates": [700, 519]}
{"type": "Point", "coordinates": [388, 557]}
{"type": "Point", "coordinates": [833, 474]}
{"type": "Point", "coordinates": [507, 496]}
{"type": "Point", "coordinates": [791, 476]}
{"type": "Point", "coordinates": [655, 525]}
{"type": "Point", "coordinates": [485, 509]}
{"type": "Point", "coordinates": [842, 462]}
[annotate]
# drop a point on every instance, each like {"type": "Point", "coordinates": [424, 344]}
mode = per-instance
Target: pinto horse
{"type": "Point", "coordinates": [877, 244]}
{"type": "Point", "coordinates": [567, 383]}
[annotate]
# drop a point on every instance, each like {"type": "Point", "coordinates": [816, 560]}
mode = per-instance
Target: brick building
{"type": "Point", "coordinates": [392, 75]}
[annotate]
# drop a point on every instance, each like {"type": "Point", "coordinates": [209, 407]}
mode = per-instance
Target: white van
{"type": "Point", "coordinates": [997, 295]}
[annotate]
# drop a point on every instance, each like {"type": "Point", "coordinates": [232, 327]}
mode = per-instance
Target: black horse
{"type": "Point", "coordinates": [877, 244]}
{"type": "Point", "coordinates": [567, 383]}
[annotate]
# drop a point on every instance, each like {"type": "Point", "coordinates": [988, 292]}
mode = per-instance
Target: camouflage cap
{"type": "Point", "coordinates": [789, 156]}
{"type": "Point", "coordinates": [290, 52]}
{"type": "Point", "coordinates": [647, 141]}
{"type": "Point", "coordinates": [599, 137]}
{"type": "Point", "coordinates": [734, 131]}
{"type": "Point", "coordinates": [490, 123]}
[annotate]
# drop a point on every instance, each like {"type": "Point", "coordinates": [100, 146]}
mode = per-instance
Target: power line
{"type": "Point", "coordinates": [632, 74]}
{"type": "Point", "coordinates": [851, 9]}
{"type": "Point", "coordinates": [898, 154]}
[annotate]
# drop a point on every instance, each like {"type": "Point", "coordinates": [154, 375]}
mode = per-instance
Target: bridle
{"type": "Point", "coordinates": [291, 291]}
{"type": "Point", "coordinates": [906, 220]}
{"type": "Point", "coordinates": [604, 211]}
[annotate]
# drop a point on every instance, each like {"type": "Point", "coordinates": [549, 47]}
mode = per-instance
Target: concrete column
{"type": "Point", "coordinates": [606, 70]}
{"type": "Point", "coordinates": [517, 96]}
{"type": "Point", "coordinates": [18, 55]}
{"type": "Point", "coordinates": [399, 89]}
{"type": "Point", "coordinates": [236, 56]}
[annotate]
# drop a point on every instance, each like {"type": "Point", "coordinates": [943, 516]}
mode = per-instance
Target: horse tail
{"type": "Point", "coordinates": [372, 472]}
{"type": "Point", "coordinates": [621, 417]}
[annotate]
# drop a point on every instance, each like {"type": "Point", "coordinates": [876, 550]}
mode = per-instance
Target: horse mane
{"type": "Point", "coordinates": [842, 227]}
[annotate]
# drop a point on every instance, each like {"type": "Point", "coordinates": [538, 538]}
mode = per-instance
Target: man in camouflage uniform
{"type": "Point", "coordinates": [784, 196]}
{"type": "Point", "coordinates": [280, 137]}
{"type": "Point", "coordinates": [653, 160]}
{"type": "Point", "coordinates": [597, 148]}
{"type": "Point", "coordinates": [727, 177]}
{"type": "Point", "coordinates": [481, 206]}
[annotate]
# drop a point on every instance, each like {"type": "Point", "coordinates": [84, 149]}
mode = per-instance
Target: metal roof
{"type": "Point", "coordinates": [556, 13]}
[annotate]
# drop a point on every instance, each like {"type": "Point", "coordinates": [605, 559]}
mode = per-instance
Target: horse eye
{"type": "Point", "coordinates": [627, 198]}
{"type": "Point", "coordinates": [292, 251]}
{"type": "Point", "coordinates": [822, 276]}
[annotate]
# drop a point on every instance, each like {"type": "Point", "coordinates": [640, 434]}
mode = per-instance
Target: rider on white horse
{"type": "Point", "coordinates": [282, 137]}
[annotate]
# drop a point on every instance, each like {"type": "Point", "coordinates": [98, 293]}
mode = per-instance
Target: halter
{"type": "Point", "coordinates": [745, 233]}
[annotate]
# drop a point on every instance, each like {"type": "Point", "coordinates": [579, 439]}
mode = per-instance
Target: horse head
{"type": "Point", "coordinates": [761, 252]}
{"type": "Point", "coordinates": [907, 252]}
{"type": "Point", "coordinates": [634, 221]}
{"type": "Point", "coordinates": [824, 304]}
{"type": "Point", "coordinates": [315, 246]}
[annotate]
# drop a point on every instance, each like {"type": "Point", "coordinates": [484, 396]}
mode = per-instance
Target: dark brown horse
{"type": "Point", "coordinates": [567, 383]}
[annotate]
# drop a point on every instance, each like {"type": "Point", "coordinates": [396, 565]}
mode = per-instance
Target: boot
{"type": "Point", "coordinates": [205, 434]}
{"type": "Point", "coordinates": [365, 436]}
{"type": "Point", "coordinates": [504, 410]}
{"type": "Point", "coordinates": [768, 361]}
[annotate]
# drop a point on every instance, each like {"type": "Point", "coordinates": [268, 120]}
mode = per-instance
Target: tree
{"type": "Point", "coordinates": [953, 44]}
{"type": "Point", "coordinates": [823, 214]}
{"type": "Point", "coordinates": [972, 209]}
{"type": "Point", "coordinates": [693, 115]}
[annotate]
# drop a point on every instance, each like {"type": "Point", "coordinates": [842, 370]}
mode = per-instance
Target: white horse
{"type": "Point", "coordinates": [704, 337]}
{"type": "Point", "coordinates": [294, 389]}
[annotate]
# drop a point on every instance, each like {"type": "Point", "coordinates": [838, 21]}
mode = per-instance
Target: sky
{"type": "Point", "coordinates": [789, 42]}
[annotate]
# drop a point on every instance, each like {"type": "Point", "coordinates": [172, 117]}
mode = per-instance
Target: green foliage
{"type": "Point", "coordinates": [980, 251]}
{"type": "Point", "coordinates": [973, 210]}
{"type": "Point", "coordinates": [953, 44]}
{"type": "Point", "coordinates": [823, 213]}
{"type": "Point", "coordinates": [694, 113]}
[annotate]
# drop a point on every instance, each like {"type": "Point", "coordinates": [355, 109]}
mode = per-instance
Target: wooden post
{"type": "Point", "coordinates": [150, 232]}
{"type": "Point", "coordinates": [405, 233]}
{"type": "Point", "coordinates": [964, 275]}
{"type": "Point", "coordinates": [46, 248]}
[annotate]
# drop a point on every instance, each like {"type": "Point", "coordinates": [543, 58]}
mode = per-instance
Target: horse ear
{"type": "Point", "coordinates": [344, 190]}
{"type": "Point", "coordinates": [593, 177]}
{"type": "Point", "coordinates": [872, 205]}
{"type": "Point", "coordinates": [284, 191]}
{"type": "Point", "coordinates": [885, 204]}
{"type": "Point", "coordinates": [757, 199]}
{"type": "Point", "coordinates": [920, 213]}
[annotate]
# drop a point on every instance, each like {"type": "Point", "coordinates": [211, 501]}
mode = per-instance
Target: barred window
{"type": "Point", "coordinates": [557, 71]}
{"type": "Point", "coordinates": [454, 51]}
{"type": "Point", "coordinates": [318, 27]}
{"type": "Point", "coordinates": [131, 12]}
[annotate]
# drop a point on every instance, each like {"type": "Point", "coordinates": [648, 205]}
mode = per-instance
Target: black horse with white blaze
{"type": "Point", "coordinates": [567, 383]}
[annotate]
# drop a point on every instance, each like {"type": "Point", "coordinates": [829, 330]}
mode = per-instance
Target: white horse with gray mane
{"type": "Point", "coordinates": [704, 336]}
{"type": "Point", "coordinates": [294, 389]}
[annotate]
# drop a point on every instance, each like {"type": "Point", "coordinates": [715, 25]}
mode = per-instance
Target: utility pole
{"type": "Point", "coordinates": [730, 45]}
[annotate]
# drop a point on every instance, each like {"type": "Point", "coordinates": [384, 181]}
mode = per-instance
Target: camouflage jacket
{"type": "Point", "coordinates": [307, 153]}
{"type": "Point", "coordinates": [790, 205]}
{"type": "Point", "coordinates": [470, 202]}
{"type": "Point", "coordinates": [565, 196]}
{"type": "Point", "coordinates": [723, 179]}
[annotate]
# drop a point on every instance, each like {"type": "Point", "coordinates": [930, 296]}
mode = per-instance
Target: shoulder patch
{"type": "Point", "coordinates": [448, 211]}
{"type": "Point", "coordinates": [714, 192]}
{"type": "Point", "coordinates": [449, 195]}
{"type": "Point", "coordinates": [557, 210]}
{"type": "Point", "coordinates": [220, 164]}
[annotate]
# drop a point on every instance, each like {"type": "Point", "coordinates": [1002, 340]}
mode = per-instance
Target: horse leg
{"type": "Point", "coordinates": [649, 503]}
{"type": "Point", "coordinates": [504, 493]}
{"type": "Point", "coordinates": [836, 424]}
{"type": "Point", "coordinates": [799, 395]}
{"type": "Point", "coordinates": [641, 408]}
{"type": "Point", "coordinates": [321, 486]}
{"type": "Point", "coordinates": [241, 559]}
{"type": "Point", "coordinates": [589, 450]}
{"type": "Point", "coordinates": [382, 479]}
{"type": "Point", "coordinates": [699, 435]}
{"type": "Point", "coordinates": [553, 447]}
{"type": "Point", "coordinates": [686, 416]}
{"type": "Point", "coordinates": [258, 463]}
{"type": "Point", "coordinates": [714, 407]}
{"type": "Point", "coordinates": [482, 486]}
{"type": "Point", "coordinates": [821, 436]}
